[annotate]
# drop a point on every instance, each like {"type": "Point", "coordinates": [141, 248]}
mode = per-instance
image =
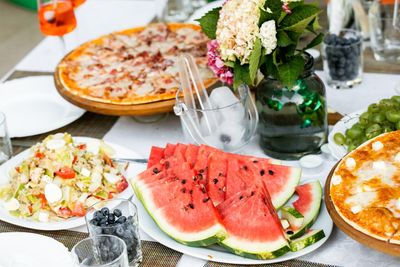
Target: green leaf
{"type": "Point", "coordinates": [230, 64]}
{"type": "Point", "coordinates": [314, 25]}
{"type": "Point", "coordinates": [288, 51]}
{"type": "Point", "coordinates": [268, 68]}
{"type": "Point", "coordinates": [293, 5]}
{"type": "Point", "coordinates": [314, 42]}
{"type": "Point", "coordinates": [276, 8]}
{"type": "Point", "coordinates": [300, 18]}
{"type": "Point", "coordinates": [284, 39]}
{"type": "Point", "coordinates": [254, 60]}
{"type": "Point", "coordinates": [208, 22]}
{"type": "Point", "coordinates": [290, 71]}
{"type": "Point", "coordinates": [241, 74]}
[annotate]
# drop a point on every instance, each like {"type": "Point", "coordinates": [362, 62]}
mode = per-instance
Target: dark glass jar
{"type": "Point", "coordinates": [293, 121]}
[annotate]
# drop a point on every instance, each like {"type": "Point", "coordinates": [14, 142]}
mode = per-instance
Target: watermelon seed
{"type": "Point", "coordinates": [206, 199]}
{"type": "Point", "coordinates": [191, 205]}
{"type": "Point", "coordinates": [262, 172]}
{"type": "Point", "coordinates": [245, 168]}
{"type": "Point", "coordinates": [201, 171]}
{"type": "Point", "coordinates": [194, 178]}
{"type": "Point", "coordinates": [183, 190]}
{"type": "Point", "coordinates": [215, 180]}
{"type": "Point", "coordinates": [167, 164]}
{"type": "Point", "coordinates": [203, 189]}
{"type": "Point", "coordinates": [190, 191]}
{"type": "Point", "coordinates": [255, 161]}
{"type": "Point", "coordinates": [220, 174]}
{"type": "Point", "coordinates": [200, 176]}
{"type": "Point", "coordinates": [184, 181]}
{"type": "Point", "coordinates": [289, 232]}
{"type": "Point", "coordinates": [252, 193]}
{"type": "Point", "coordinates": [155, 170]}
{"type": "Point", "coordinates": [271, 172]}
{"type": "Point", "coordinates": [240, 197]}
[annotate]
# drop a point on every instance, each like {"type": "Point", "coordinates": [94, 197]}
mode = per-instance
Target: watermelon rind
{"type": "Point", "coordinates": [284, 196]}
{"type": "Point", "coordinates": [285, 224]}
{"type": "Point", "coordinates": [212, 235]}
{"type": "Point", "coordinates": [311, 237]}
{"type": "Point", "coordinates": [293, 216]}
{"type": "Point", "coordinates": [256, 250]}
{"type": "Point", "coordinates": [312, 214]}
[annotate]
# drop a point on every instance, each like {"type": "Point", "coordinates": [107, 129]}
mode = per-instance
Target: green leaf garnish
{"type": "Point", "coordinates": [314, 42]}
{"type": "Point", "coordinates": [300, 18]}
{"type": "Point", "coordinates": [241, 74]}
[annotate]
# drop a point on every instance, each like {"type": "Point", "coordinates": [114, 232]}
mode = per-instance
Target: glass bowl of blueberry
{"type": "Point", "coordinates": [343, 58]}
{"type": "Point", "coordinates": [117, 217]}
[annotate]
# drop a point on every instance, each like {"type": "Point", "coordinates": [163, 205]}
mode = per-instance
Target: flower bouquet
{"type": "Point", "coordinates": [252, 35]}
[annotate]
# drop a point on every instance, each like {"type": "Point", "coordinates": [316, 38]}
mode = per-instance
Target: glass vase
{"type": "Point", "coordinates": [292, 121]}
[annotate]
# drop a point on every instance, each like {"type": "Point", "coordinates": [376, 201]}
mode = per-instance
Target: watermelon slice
{"type": "Point", "coordinates": [216, 182]}
{"type": "Point", "coordinates": [201, 165]}
{"type": "Point", "coordinates": [311, 237]}
{"type": "Point", "coordinates": [191, 154]}
{"type": "Point", "coordinates": [294, 217]}
{"type": "Point", "coordinates": [179, 205]}
{"type": "Point", "coordinates": [280, 180]}
{"type": "Point", "coordinates": [308, 204]}
{"type": "Point", "coordinates": [156, 155]}
{"type": "Point", "coordinates": [169, 150]}
{"type": "Point", "coordinates": [254, 229]}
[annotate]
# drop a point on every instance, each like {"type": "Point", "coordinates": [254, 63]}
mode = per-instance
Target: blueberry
{"type": "Point", "coordinates": [117, 212]}
{"type": "Point", "coordinates": [111, 218]}
{"type": "Point", "coordinates": [119, 231]}
{"type": "Point", "coordinates": [94, 222]}
{"type": "Point", "coordinates": [97, 215]}
{"type": "Point", "coordinates": [105, 211]}
{"type": "Point", "coordinates": [107, 231]}
{"type": "Point", "coordinates": [121, 219]}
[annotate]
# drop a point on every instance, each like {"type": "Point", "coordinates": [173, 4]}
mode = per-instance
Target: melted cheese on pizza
{"type": "Point", "coordinates": [365, 187]}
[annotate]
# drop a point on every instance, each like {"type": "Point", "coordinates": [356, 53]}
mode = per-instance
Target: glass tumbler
{"type": "Point", "coordinates": [100, 250]}
{"type": "Point", "coordinates": [343, 58]}
{"type": "Point", "coordinates": [384, 20]}
{"type": "Point", "coordinates": [117, 217]}
{"type": "Point", "coordinates": [5, 142]}
{"type": "Point", "coordinates": [175, 10]}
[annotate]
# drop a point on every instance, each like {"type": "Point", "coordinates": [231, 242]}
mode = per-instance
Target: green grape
{"type": "Point", "coordinates": [396, 98]}
{"type": "Point", "coordinates": [387, 103]}
{"type": "Point", "coordinates": [351, 147]}
{"type": "Point", "coordinates": [339, 139]}
{"type": "Point", "coordinates": [373, 130]}
{"type": "Point", "coordinates": [393, 115]}
{"type": "Point", "coordinates": [378, 117]}
{"type": "Point", "coordinates": [364, 118]}
{"type": "Point", "coordinates": [373, 108]}
{"type": "Point", "coordinates": [355, 132]}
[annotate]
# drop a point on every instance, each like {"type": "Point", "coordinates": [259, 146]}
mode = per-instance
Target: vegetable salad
{"type": "Point", "coordinates": [61, 179]}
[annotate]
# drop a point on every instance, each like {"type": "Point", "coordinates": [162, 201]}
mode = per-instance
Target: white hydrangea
{"type": "Point", "coordinates": [237, 29]}
{"type": "Point", "coordinates": [268, 36]}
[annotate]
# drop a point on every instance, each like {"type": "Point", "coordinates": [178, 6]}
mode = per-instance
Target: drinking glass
{"type": "Point", "coordinates": [5, 142]}
{"type": "Point", "coordinates": [100, 251]}
{"type": "Point", "coordinates": [57, 18]}
{"type": "Point", "coordinates": [384, 20]}
{"type": "Point", "coordinates": [343, 58]}
{"type": "Point", "coordinates": [175, 10]}
{"type": "Point", "coordinates": [117, 217]}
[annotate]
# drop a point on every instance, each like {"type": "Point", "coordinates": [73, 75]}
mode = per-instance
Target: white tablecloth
{"type": "Point", "coordinates": [98, 17]}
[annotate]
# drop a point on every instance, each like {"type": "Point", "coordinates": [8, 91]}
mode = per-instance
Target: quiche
{"type": "Point", "coordinates": [365, 188]}
{"type": "Point", "coordinates": [134, 66]}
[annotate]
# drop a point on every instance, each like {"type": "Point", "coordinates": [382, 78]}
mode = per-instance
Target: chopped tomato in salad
{"type": "Point", "coordinates": [62, 179]}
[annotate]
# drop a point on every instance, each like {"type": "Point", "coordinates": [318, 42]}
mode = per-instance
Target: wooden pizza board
{"type": "Point", "coordinates": [360, 237]}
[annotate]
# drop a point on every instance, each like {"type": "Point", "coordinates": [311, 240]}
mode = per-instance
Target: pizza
{"type": "Point", "coordinates": [365, 188]}
{"type": "Point", "coordinates": [134, 66]}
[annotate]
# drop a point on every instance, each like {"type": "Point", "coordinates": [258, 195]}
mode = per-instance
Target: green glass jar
{"type": "Point", "coordinates": [292, 121]}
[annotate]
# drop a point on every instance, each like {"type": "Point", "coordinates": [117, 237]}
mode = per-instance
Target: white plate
{"type": "Point", "coordinates": [32, 250]}
{"type": "Point", "coordinates": [340, 127]}
{"type": "Point", "coordinates": [33, 106]}
{"type": "Point", "coordinates": [219, 254]}
{"type": "Point", "coordinates": [203, 10]}
{"type": "Point", "coordinates": [72, 222]}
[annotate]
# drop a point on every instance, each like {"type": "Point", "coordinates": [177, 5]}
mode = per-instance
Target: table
{"type": "Point", "coordinates": [140, 137]}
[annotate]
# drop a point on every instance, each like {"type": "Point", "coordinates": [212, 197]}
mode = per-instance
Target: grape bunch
{"type": "Point", "coordinates": [380, 118]}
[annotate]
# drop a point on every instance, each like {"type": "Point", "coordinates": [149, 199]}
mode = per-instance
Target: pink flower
{"type": "Point", "coordinates": [224, 73]}
{"type": "Point", "coordinates": [286, 8]}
